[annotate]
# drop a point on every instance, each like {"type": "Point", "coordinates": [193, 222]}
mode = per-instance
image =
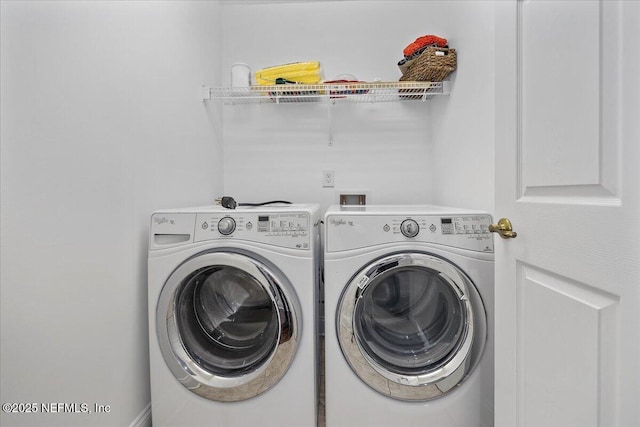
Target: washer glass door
{"type": "Point", "coordinates": [223, 318]}
{"type": "Point", "coordinates": [411, 325]}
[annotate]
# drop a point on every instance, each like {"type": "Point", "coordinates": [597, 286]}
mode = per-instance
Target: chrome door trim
{"type": "Point", "coordinates": [428, 385]}
{"type": "Point", "coordinates": [220, 387]}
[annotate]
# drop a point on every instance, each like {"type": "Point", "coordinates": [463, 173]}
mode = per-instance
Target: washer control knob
{"type": "Point", "coordinates": [409, 228]}
{"type": "Point", "coordinates": [226, 225]}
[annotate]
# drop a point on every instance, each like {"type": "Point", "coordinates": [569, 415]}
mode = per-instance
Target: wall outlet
{"type": "Point", "coordinates": [327, 178]}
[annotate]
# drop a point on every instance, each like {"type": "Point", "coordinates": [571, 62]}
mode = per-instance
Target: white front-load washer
{"type": "Point", "coordinates": [233, 296]}
{"type": "Point", "coordinates": [409, 316]}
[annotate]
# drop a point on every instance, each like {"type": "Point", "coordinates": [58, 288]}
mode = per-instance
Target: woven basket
{"type": "Point", "coordinates": [433, 65]}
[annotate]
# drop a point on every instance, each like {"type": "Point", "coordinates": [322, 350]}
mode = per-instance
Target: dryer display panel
{"type": "Point", "coordinates": [474, 225]}
{"type": "Point", "coordinates": [469, 232]}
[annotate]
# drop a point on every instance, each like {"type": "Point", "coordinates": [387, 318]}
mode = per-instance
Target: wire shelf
{"type": "Point", "coordinates": [328, 92]}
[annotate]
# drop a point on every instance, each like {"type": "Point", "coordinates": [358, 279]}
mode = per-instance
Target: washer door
{"type": "Point", "coordinates": [412, 326]}
{"type": "Point", "coordinates": [223, 320]}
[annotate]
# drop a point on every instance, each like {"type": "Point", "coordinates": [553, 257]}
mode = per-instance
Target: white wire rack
{"type": "Point", "coordinates": [328, 92]}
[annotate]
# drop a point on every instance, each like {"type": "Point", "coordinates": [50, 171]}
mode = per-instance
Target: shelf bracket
{"type": "Point", "coordinates": [330, 105]}
{"type": "Point", "coordinates": [206, 93]}
{"type": "Point", "coordinates": [446, 87]}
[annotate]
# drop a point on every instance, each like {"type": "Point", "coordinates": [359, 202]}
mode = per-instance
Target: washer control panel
{"type": "Point", "coordinates": [226, 225]}
{"type": "Point", "coordinates": [290, 230]}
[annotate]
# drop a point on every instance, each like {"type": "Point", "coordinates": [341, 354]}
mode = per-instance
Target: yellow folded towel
{"type": "Point", "coordinates": [299, 72]}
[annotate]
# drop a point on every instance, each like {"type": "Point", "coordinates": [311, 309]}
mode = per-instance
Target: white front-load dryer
{"type": "Point", "coordinates": [233, 296]}
{"type": "Point", "coordinates": [409, 316]}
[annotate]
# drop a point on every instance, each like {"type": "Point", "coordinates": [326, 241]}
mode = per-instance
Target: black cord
{"type": "Point", "coordinates": [272, 202]}
{"type": "Point", "coordinates": [230, 203]}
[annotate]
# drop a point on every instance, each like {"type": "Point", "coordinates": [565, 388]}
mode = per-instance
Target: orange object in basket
{"type": "Point", "coordinates": [423, 41]}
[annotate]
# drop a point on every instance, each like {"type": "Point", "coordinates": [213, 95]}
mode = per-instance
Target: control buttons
{"type": "Point", "coordinates": [249, 225]}
{"type": "Point", "coordinates": [409, 228]}
{"type": "Point", "coordinates": [226, 225]}
{"type": "Point", "coordinates": [205, 225]}
{"type": "Point", "coordinates": [433, 228]}
{"type": "Point", "coordinates": [386, 228]}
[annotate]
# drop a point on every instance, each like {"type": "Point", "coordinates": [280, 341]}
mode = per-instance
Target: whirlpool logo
{"type": "Point", "coordinates": [163, 220]}
{"type": "Point", "coordinates": [336, 222]}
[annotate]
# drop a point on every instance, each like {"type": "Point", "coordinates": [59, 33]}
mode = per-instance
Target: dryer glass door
{"type": "Point", "coordinates": [223, 319]}
{"type": "Point", "coordinates": [411, 320]}
{"type": "Point", "coordinates": [411, 325]}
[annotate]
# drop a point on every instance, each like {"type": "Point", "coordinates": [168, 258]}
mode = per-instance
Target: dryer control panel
{"type": "Point", "coordinates": [474, 225]}
{"type": "Point", "coordinates": [464, 231]}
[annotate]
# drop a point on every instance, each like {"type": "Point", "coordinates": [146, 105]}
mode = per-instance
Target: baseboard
{"type": "Point", "coordinates": [144, 418]}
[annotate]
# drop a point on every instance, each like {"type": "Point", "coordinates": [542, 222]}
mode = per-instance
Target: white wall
{"type": "Point", "coordinates": [101, 124]}
{"type": "Point", "coordinates": [463, 132]}
{"type": "Point", "coordinates": [413, 152]}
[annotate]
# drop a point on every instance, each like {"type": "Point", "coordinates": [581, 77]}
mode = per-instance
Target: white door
{"type": "Point", "coordinates": [567, 176]}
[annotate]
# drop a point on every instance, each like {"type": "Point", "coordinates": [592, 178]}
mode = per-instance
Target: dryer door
{"type": "Point", "coordinates": [411, 325]}
{"type": "Point", "coordinates": [223, 319]}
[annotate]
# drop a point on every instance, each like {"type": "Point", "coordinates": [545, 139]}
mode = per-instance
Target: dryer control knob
{"type": "Point", "coordinates": [226, 225]}
{"type": "Point", "coordinates": [409, 228]}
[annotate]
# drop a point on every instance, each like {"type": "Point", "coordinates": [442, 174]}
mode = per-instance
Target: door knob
{"type": "Point", "coordinates": [503, 228]}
